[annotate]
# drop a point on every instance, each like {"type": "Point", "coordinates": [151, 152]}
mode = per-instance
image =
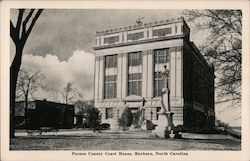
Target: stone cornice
{"type": "Point", "coordinates": [136, 27]}
{"type": "Point", "coordinates": [133, 98]}
{"type": "Point", "coordinates": [176, 48]}
{"type": "Point", "coordinates": [139, 42]}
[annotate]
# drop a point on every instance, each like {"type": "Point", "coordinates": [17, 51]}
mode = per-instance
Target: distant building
{"type": "Point", "coordinates": [42, 113]}
{"type": "Point", "coordinates": [128, 65]}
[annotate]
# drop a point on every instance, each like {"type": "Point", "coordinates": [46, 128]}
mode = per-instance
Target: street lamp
{"type": "Point", "coordinates": [165, 91]}
{"type": "Point", "coordinates": [165, 124]}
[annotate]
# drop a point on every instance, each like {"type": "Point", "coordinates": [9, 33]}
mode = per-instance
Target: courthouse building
{"type": "Point", "coordinates": [128, 66]}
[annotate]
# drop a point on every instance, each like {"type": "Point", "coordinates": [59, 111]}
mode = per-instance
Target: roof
{"type": "Point", "coordinates": [135, 27]}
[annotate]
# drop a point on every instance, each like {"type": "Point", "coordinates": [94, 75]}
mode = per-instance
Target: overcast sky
{"type": "Point", "coordinates": [60, 44]}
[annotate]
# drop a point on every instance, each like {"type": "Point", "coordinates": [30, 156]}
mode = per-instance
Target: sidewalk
{"type": "Point", "coordinates": [207, 136]}
{"type": "Point", "coordinates": [58, 133]}
{"type": "Point", "coordinates": [123, 134]}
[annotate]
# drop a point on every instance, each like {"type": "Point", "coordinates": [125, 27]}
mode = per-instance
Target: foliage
{"type": "Point", "coordinates": [223, 48]}
{"type": "Point", "coordinates": [79, 120]}
{"type": "Point", "coordinates": [94, 116]}
{"type": "Point", "coordinates": [136, 118]}
{"type": "Point", "coordinates": [126, 118]}
{"type": "Point", "coordinates": [150, 125]}
{"type": "Point", "coordinates": [81, 110]}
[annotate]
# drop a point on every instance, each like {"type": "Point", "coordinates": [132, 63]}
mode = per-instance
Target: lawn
{"type": "Point", "coordinates": [119, 141]}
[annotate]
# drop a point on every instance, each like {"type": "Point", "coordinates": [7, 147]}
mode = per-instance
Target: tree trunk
{"type": "Point", "coordinates": [14, 69]}
{"type": "Point", "coordinates": [25, 112]}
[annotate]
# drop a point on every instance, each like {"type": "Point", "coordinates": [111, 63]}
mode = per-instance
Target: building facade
{"type": "Point", "coordinates": [128, 66]}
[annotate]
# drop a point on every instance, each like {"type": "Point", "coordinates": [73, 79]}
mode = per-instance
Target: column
{"type": "Point", "coordinates": [102, 40]}
{"type": "Point", "coordinates": [150, 32]}
{"type": "Point", "coordinates": [172, 80]}
{"type": "Point", "coordinates": [119, 75]}
{"type": "Point", "coordinates": [120, 37]}
{"type": "Point", "coordinates": [101, 77]}
{"type": "Point", "coordinates": [97, 41]}
{"type": "Point", "coordinates": [150, 74]}
{"type": "Point", "coordinates": [144, 73]}
{"type": "Point", "coordinates": [179, 72]}
{"type": "Point", "coordinates": [97, 64]}
{"type": "Point", "coordinates": [125, 34]}
{"type": "Point", "coordinates": [145, 36]}
{"type": "Point", "coordinates": [124, 75]}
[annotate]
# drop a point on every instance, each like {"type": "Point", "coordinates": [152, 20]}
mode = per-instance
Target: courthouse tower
{"type": "Point", "coordinates": [128, 66]}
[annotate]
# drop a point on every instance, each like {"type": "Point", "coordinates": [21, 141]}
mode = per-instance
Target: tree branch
{"type": "Point", "coordinates": [26, 21]}
{"type": "Point", "coordinates": [13, 34]}
{"type": "Point", "coordinates": [19, 21]}
{"type": "Point", "coordinates": [25, 36]}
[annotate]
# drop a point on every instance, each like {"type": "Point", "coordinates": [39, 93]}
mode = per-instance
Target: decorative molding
{"type": "Point", "coordinates": [133, 98]}
{"type": "Point", "coordinates": [176, 49]}
{"type": "Point", "coordinates": [148, 44]}
{"type": "Point", "coordinates": [162, 32]}
{"type": "Point", "coordinates": [150, 24]}
{"type": "Point", "coordinates": [139, 42]}
{"type": "Point", "coordinates": [135, 36]}
{"type": "Point", "coordinates": [111, 40]}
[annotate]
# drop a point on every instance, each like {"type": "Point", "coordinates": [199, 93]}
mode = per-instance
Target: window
{"type": "Point", "coordinates": [135, 36]}
{"type": "Point", "coordinates": [110, 78]}
{"type": "Point", "coordinates": [135, 59]}
{"type": "Point", "coordinates": [158, 84]}
{"type": "Point", "coordinates": [134, 79]}
{"type": "Point", "coordinates": [109, 113]}
{"type": "Point", "coordinates": [162, 32]}
{"type": "Point", "coordinates": [110, 86]}
{"type": "Point", "coordinates": [161, 56]}
{"type": "Point", "coordinates": [111, 61]}
{"type": "Point", "coordinates": [134, 84]}
{"type": "Point", "coordinates": [111, 40]}
{"type": "Point", "coordinates": [158, 109]}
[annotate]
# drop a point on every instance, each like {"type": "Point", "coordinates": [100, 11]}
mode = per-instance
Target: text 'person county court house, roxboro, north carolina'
{"type": "Point", "coordinates": [128, 73]}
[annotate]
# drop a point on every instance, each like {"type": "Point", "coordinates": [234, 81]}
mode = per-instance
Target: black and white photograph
{"type": "Point", "coordinates": [142, 82]}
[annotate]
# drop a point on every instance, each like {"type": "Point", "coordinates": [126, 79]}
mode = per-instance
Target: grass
{"type": "Point", "coordinates": [118, 141]}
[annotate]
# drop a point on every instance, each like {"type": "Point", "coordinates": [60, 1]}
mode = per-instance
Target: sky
{"type": "Point", "coordinates": [60, 44]}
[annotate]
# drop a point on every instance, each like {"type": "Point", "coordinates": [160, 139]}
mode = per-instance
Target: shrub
{"type": "Point", "coordinates": [94, 118]}
{"type": "Point", "coordinates": [126, 118]}
{"type": "Point", "coordinates": [150, 125]}
{"type": "Point", "coordinates": [136, 119]}
{"type": "Point", "coordinates": [79, 120]}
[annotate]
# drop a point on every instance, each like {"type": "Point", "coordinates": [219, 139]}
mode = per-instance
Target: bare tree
{"type": "Point", "coordinates": [223, 48]}
{"type": "Point", "coordinates": [82, 106]}
{"type": "Point", "coordinates": [27, 84]}
{"type": "Point", "coordinates": [19, 34]}
{"type": "Point", "coordinates": [69, 93]}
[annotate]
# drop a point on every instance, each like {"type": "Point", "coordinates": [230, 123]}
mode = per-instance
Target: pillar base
{"type": "Point", "coordinates": [114, 125]}
{"type": "Point", "coordinates": [165, 124]}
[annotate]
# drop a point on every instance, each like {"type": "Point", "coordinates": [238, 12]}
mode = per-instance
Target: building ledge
{"type": "Point", "coordinates": [134, 98]}
{"type": "Point", "coordinates": [139, 42]}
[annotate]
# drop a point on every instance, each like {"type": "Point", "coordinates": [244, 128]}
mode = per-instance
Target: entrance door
{"type": "Point", "coordinates": [135, 115]}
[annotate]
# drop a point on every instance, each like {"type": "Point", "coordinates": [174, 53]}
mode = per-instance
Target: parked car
{"type": "Point", "coordinates": [103, 126]}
